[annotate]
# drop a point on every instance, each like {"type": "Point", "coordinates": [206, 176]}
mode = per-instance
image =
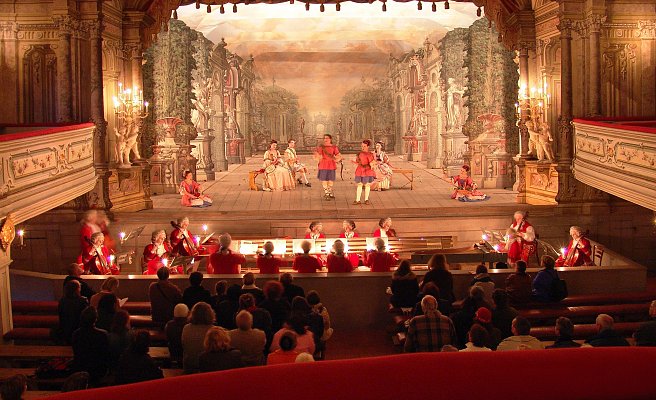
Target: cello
{"type": "Point", "coordinates": [103, 266]}
{"type": "Point", "coordinates": [187, 243]}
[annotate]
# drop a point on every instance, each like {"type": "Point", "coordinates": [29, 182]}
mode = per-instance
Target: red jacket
{"type": "Point", "coordinates": [228, 263]}
{"type": "Point", "coordinates": [306, 264]}
{"type": "Point", "coordinates": [268, 265]}
{"type": "Point", "coordinates": [390, 233]}
{"type": "Point", "coordinates": [580, 255]}
{"type": "Point", "coordinates": [381, 261]}
{"type": "Point", "coordinates": [339, 264]}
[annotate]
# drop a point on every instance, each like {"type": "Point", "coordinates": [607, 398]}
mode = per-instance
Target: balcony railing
{"type": "Point", "coordinates": [618, 156]}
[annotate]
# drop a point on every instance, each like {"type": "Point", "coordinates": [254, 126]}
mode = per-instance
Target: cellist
{"type": "Point", "coordinates": [182, 241]}
{"type": "Point", "coordinates": [578, 252]}
{"type": "Point", "coordinates": [97, 258]}
{"type": "Point", "coordinates": [158, 249]}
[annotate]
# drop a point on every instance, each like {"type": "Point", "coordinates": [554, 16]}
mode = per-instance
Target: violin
{"type": "Point", "coordinates": [187, 243]}
{"type": "Point", "coordinates": [102, 265]}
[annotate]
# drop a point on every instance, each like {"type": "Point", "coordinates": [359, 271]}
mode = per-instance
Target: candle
{"type": "Point", "coordinates": [197, 238]}
{"type": "Point", "coordinates": [484, 236]}
{"type": "Point", "coordinates": [146, 104]}
{"type": "Point", "coordinates": [111, 258]}
{"type": "Point", "coordinates": [563, 251]}
{"type": "Point", "coordinates": [496, 247]}
{"type": "Point", "coordinates": [21, 235]}
{"type": "Point", "coordinates": [165, 261]}
{"type": "Point", "coordinates": [122, 236]}
{"type": "Point", "coordinates": [205, 228]}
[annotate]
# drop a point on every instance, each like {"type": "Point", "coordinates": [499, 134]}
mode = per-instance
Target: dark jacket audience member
{"type": "Point", "coordinates": [196, 293]}
{"type": "Point", "coordinates": [174, 329]}
{"type": "Point", "coordinates": [227, 309]}
{"type": "Point", "coordinates": [606, 336]}
{"type": "Point", "coordinates": [564, 334]}
{"type": "Point", "coordinates": [261, 317]}
{"type": "Point", "coordinates": [69, 309]}
{"type": "Point", "coordinates": [290, 289]}
{"type": "Point", "coordinates": [249, 287]}
{"type": "Point", "coordinates": [404, 286]}
{"type": "Point", "coordinates": [543, 282]}
{"type": "Point", "coordinates": [135, 365]}
{"type": "Point", "coordinates": [645, 335]}
{"type": "Point", "coordinates": [440, 275]}
{"type": "Point", "coordinates": [218, 355]}
{"type": "Point", "coordinates": [120, 337]}
{"type": "Point", "coordinates": [75, 272]}
{"type": "Point", "coordinates": [107, 308]}
{"type": "Point", "coordinates": [503, 314]}
{"type": "Point", "coordinates": [519, 285]}
{"type": "Point", "coordinates": [464, 318]}
{"type": "Point", "coordinates": [314, 321]}
{"type": "Point", "coordinates": [275, 304]}
{"type": "Point", "coordinates": [221, 289]}
{"type": "Point", "coordinates": [163, 297]}
{"type": "Point", "coordinates": [90, 346]}
{"type": "Point", "coordinates": [14, 388]}
{"type": "Point", "coordinates": [483, 317]}
{"type": "Point", "coordinates": [431, 289]}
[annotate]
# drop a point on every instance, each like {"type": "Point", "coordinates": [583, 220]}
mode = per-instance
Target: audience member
{"type": "Point", "coordinates": [193, 335]}
{"type": "Point", "coordinates": [304, 358]}
{"type": "Point", "coordinates": [290, 289]}
{"type": "Point", "coordinates": [464, 318]}
{"type": "Point", "coordinates": [518, 285]}
{"type": "Point", "coordinates": [163, 297]}
{"type": "Point", "coordinates": [76, 381]}
{"type": "Point", "coordinates": [312, 320]}
{"type": "Point", "coordinates": [337, 260]}
{"type": "Point", "coordinates": [500, 265]}
{"type": "Point", "coordinates": [75, 272]}
{"type": "Point", "coordinates": [275, 304]}
{"type": "Point", "coordinates": [107, 308]}
{"type": "Point", "coordinates": [482, 279]}
{"type": "Point", "coordinates": [196, 293]}
{"type": "Point", "coordinates": [69, 309]}
{"type": "Point", "coordinates": [304, 337]}
{"type": "Point", "coordinates": [544, 280]}
{"type": "Point", "coordinates": [447, 348]}
{"type": "Point", "coordinates": [483, 317]}
{"type": "Point", "coordinates": [431, 289]}
{"type": "Point", "coordinates": [564, 334]}
{"type": "Point", "coordinates": [645, 335]}
{"type": "Point", "coordinates": [606, 336]}
{"type": "Point", "coordinates": [227, 309]}
{"type": "Point", "coordinates": [90, 346]}
{"type": "Point", "coordinates": [120, 336]}
{"type": "Point", "coordinates": [286, 352]}
{"type": "Point", "coordinates": [221, 289]}
{"type": "Point", "coordinates": [14, 387]}
{"type": "Point", "coordinates": [315, 302]}
{"type": "Point", "coordinates": [261, 317]}
{"type": "Point", "coordinates": [250, 342]}
{"type": "Point", "coordinates": [173, 330]}
{"type": "Point", "coordinates": [108, 286]}
{"type": "Point", "coordinates": [218, 354]}
{"type": "Point", "coordinates": [136, 365]}
{"type": "Point", "coordinates": [404, 286]}
{"type": "Point", "coordinates": [521, 339]}
{"type": "Point", "coordinates": [225, 261]}
{"type": "Point", "coordinates": [440, 275]}
{"type": "Point", "coordinates": [431, 331]}
{"type": "Point", "coordinates": [249, 286]}
{"type": "Point", "coordinates": [306, 263]}
{"type": "Point", "coordinates": [478, 337]}
{"type": "Point", "coordinates": [380, 260]}
{"type": "Point", "coordinates": [267, 263]}
{"type": "Point", "coordinates": [503, 314]}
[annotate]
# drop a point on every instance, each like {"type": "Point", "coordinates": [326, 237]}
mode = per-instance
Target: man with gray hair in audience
{"type": "Point", "coordinates": [606, 336]}
{"type": "Point", "coordinates": [431, 331]}
{"type": "Point", "coordinates": [646, 333]}
{"type": "Point", "coordinates": [521, 339]}
{"type": "Point", "coordinates": [248, 340]}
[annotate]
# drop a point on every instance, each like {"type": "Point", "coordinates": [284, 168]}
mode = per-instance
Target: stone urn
{"type": "Point", "coordinates": [169, 125]}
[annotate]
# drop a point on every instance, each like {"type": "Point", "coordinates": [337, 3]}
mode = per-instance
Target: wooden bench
{"type": "Point", "coordinates": [43, 335]}
{"type": "Point", "coordinates": [6, 373]}
{"type": "Point", "coordinates": [617, 311]}
{"type": "Point", "coordinates": [252, 175]}
{"type": "Point", "coordinates": [46, 352]}
{"type": "Point", "coordinates": [584, 331]}
{"type": "Point", "coordinates": [51, 321]}
{"type": "Point", "coordinates": [408, 174]}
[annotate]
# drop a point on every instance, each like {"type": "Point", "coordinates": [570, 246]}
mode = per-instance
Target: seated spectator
{"type": "Point", "coordinates": [277, 306]}
{"type": "Point", "coordinates": [221, 289]}
{"type": "Point", "coordinates": [227, 309]}
{"type": "Point", "coordinates": [543, 282]}
{"type": "Point", "coordinates": [564, 334]}
{"type": "Point", "coordinates": [439, 274]}
{"type": "Point", "coordinates": [14, 387]}
{"type": "Point", "coordinates": [69, 309]}
{"type": "Point", "coordinates": [503, 314]}
{"type": "Point", "coordinates": [135, 365]}
{"type": "Point", "coordinates": [431, 289]}
{"type": "Point", "coordinates": [306, 263]}
{"type": "Point", "coordinates": [478, 337]}
{"type": "Point", "coordinates": [261, 317]}
{"type": "Point", "coordinates": [107, 308]}
{"type": "Point", "coordinates": [290, 289]}
{"type": "Point", "coordinates": [109, 286]}
{"type": "Point", "coordinates": [606, 336]}
{"type": "Point", "coordinates": [380, 260]}
{"type": "Point", "coordinates": [312, 320]}
{"type": "Point", "coordinates": [483, 317]}
{"type": "Point", "coordinates": [645, 335]}
{"type": "Point", "coordinates": [304, 358]}
{"type": "Point", "coordinates": [521, 339]}
{"type": "Point", "coordinates": [431, 331]}
{"type": "Point", "coordinates": [76, 381]}
{"type": "Point", "coordinates": [75, 272]}
{"type": "Point", "coordinates": [250, 287]}
{"type": "Point", "coordinates": [464, 318]}
{"type": "Point", "coordinates": [164, 296]}
{"type": "Point", "coordinates": [286, 352]}
{"type": "Point", "coordinates": [404, 286]}
{"type": "Point", "coordinates": [90, 347]}
{"type": "Point", "coordinates": [337, 260]}
{"type": "Point", "coordinates": [518, 285]}
{"type": "Point", "coordinates": [173, 330]}
{"type": "Point", "coordinates": [250, 342]}
{"type": "Point", "coordinates": [218, 354]}
{"type": "Point", "coordinates": [447, 348]}
{"type": "Point", "coordinates": [304, 337]}
{"type": "Point", "coordinates": [196, 293]}
{"type": "Point", "coordinates": [483, 280]}
{"type": "Point", "coordinates": [315, 302]}
{"type": "Point", "coordinates": [225, 261]}
{"type": "Point", "coordinates": [500, 265]}
{"type": "Point", "coordinates": [267, 263]}
{"type": "Point", "coordinates": [120, 336]}
{"type": "Point", "coordinates": [193, 335]}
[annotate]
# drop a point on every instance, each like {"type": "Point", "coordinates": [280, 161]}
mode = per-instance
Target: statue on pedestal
{"type": "Point", "coordinates": [202, 111]}
{"type": "Point", "coordinates": [545, 139]}
{"type": "Point", "coordinates": [534, 147]}
{"type": "Point", "coordinates": [454, 105]}
{"type": "Point", "coordinates": [127, 135]}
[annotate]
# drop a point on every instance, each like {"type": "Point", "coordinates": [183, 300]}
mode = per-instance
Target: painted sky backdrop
{"type": "Point", "coordinates": [320, 56]}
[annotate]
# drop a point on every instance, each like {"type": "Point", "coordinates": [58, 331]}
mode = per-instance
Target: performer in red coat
{"type": "Point", "coordinates": [349, 233]}
{"type": "Point", "coordinates": [183, 242]}
{"type": "Point", "coordinates": [267, 263]}
{"type": "Point", "coordinates": [526, 234]}
{"type": "Point", "coordinates": [97, 258]}
{"type": "Point", "coordinates": [315, 232]}
{"type": "Point", "coordinates": [337, 261]}
{"type": "Point", "coordinates": [328, 156]}
{"type": "Point", "coordinates": [364, 173]}
{"type": "Point", "coordinates": [89, 226]}
{"type": "Point", "coordinates": [385, 228]}
{"type": "Point", "coordinates": [225, 261]}
{"type": "Point", "coordinates": [578, 252]}
{"type": "Point", "coordinates": [306, 263]}
{"type": "Point", "coordinates": [380, 260]}
{"type": "Point", "coordinates": [513, 246]}
{"type": "Point", "coordinates": [155, 252]}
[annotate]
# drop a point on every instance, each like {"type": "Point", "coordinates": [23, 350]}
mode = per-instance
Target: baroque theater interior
{"type": "Point", "coordinates": [551, 106]}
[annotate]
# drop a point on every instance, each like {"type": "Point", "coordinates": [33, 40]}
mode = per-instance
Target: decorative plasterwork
{"type": "Point", "coordinates": [647, 29]}
{"type": "Point", "coordinates": [620, 55]}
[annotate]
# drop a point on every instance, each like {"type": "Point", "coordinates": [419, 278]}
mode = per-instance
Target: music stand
{"type": "Point", "coordinates": [202, 242]}
{"type": "Point", "coordinates": [183, 261]}
{"type": "Point", "coordinates": [134, 234]}
{"type": "Point", "coordinates": [123, 258]}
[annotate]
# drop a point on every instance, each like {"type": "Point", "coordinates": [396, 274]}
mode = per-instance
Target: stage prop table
{"type": "Point", "coordinates": [408, 174]}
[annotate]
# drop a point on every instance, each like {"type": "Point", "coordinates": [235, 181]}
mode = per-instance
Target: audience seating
{"type": "Point", "coordinates": [31, 352]}
{"type": "Point", "coordinates": [584, 331]}
{"type": "Point", "coordinates": [620, 312]}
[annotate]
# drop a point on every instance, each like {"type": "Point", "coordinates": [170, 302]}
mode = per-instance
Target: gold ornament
{"type": "Point", "coordinates": [7, 232]}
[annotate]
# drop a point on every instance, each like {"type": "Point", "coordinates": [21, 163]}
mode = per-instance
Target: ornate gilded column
{"type": "Point", "coordinates": [219, 66]}
{"type": "Point", "coordinates": [594, 23]}
{"type": "Point", "coordinates": [64, 84]}
{"type": "Point", "coordinates": [565, 145]}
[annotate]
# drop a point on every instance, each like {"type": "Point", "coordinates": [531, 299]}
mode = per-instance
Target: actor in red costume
{"type": "Point", "coordinates": [364, 173]}
{"type": "Point", "coordinates": [267, 263]}
{"type": "Point", "coordinates": [225, 261]}
{"type": "Point", "coordinates": [306, 263]}
{"type": "Point", "coordinates": [98, 259]}
{"type": "Point", "coordinates": [526, 234]}
{"type": "Point", "coordinates": [155, 252]}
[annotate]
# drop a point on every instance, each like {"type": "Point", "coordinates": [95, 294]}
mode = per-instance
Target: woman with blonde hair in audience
{"type": "Point", "coordinates": [267, 263]}
{"type": "Point", "coordinates": [218, 354]}
{"type": "Point", "coordinates": [193, 334]}
{"type": "Point", "coordinates": [337, 260]}
{"type": "Point", "coordinates": [440, 275]}
{"type": "Point", "coordinates": [404, 286]}
{"type": "Point", "coordinates": [109, 286]}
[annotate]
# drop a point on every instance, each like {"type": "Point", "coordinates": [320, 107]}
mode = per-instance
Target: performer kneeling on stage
{"type": "Point", "coordinates": [578, 252]}
{"type": "Point", "coordinates": [192, 193]}
{"type": "Point", "coordinates": [364, 174]}
{"type": "Point", "coordinates": [465, 189]}
{"type": "Point", "coordinates": [154, 254]}
{"type": "Point", "coordinates": [225, 261]}
{"type": "Point", "coordinates": [97, 258]}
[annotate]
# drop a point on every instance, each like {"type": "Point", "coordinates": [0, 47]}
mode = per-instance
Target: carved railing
{"type": "Point", "coordinates": [618, 156]}
{"type": "Point", "coordinates": [43, 168]}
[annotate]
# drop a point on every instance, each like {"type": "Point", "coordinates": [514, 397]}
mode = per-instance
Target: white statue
{"type": "Point", "coordinates": [202, 111]}
{"type": "Point", "coordinates": [544, 141]}
{"type": "Point", "coordinates": [127, 136]}
{"type": "Point", "coordinates": [454, 104]}
{"type": "Point", "coordinates": [534, 147]}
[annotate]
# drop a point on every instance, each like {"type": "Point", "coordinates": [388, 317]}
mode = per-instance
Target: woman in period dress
{"type": "Point", "coordinates": [465, 189]}
{"type": "Point", "coordinates": [296, 167]}
{"type": "Point", "coordinates": [382, 168]}
{"type": "Point", "coordinates": [192, 193]}
{"type": "Point", "coordinates": [277, 176]}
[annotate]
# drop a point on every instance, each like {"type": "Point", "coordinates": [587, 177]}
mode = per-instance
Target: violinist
{"type": "Point", "coordinates": [182, 241]}
{"type": "Point", "coordinates": [225, 261]}
{"type": "Point", "coordinates": [578, 252]}
{"type": "Point", "coordinates": [158, 249]}
{"type": "Point", "coordinates": [97, 258]}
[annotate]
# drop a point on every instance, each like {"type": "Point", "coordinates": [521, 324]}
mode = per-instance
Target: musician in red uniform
{"type": "Point", "coordinates": [89, 226]}
{"type": "Point", "coordinates": [97, 258]}
{"type": "Point", "coordinates": [267, 263]}
{"type": "Point", "coordinates": [315, 231]}
{"type": "Point", "coordinates": [225, 261]}
{"type": "Point", "coordinates": [349, 232]}
{"type": "Point", "coordinates": [526, 234]}
{"type": "Point", "coordinates": [155, 252]}
{"type": "Point", "coordinates": [513, 246]}
{"type": "Point", "coordinates": [337, 260]}
{"type": "Point", "coordinates": [385, 228]}
{"type": "Point", "coordinates": [578, 252]}
{"type": "Point", "coordinates": [183, 241]}
{"type": "Point", "coordinates": [380, 260]}
{"type": "Point", "coordinates": [306, 263]}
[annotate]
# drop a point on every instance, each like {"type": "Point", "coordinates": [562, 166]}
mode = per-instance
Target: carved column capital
{"type": "Point", "coordinates": [647, 29]}
{"type": "Point", "coordinates": [8, 30]}
{"type": "Point", "coordinates": [66, 24]}
{"type": "Point", "coordinates": [565, 26]}
{"type": "Point", "coordinates": [95, 29]}
{"type": "Point", "coordinates": [594, 22]}
{"type": "Point", "coordinates": [133, 50]}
